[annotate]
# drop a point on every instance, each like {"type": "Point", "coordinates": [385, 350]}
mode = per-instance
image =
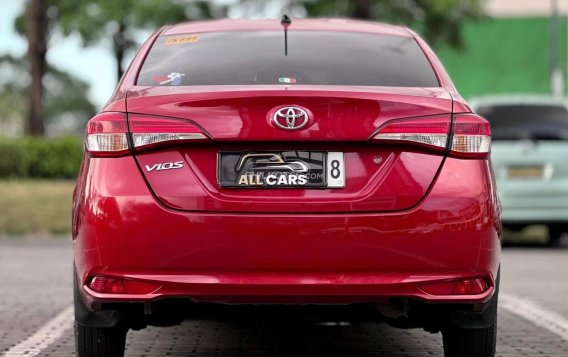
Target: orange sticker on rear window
{"type": "Point", "coordinates": [175, 40]}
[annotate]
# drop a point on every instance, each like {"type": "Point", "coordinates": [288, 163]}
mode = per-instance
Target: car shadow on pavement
{"type": "Point", "coordinates": [208, 338]}
{"type": "Point", "coordinates": [563, 244]}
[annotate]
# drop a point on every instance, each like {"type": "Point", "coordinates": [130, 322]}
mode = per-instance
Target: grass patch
{"type": "Point", "coordinates": [35, 207]}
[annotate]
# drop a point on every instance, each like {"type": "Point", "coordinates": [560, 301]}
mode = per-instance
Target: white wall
{"type": "Point", "coordinates": [513, 8]}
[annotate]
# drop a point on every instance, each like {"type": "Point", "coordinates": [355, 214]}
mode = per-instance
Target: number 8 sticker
{"type": "Point", "coordinates": [335, 169]}
{"type": "Point", "coordinates": [335, 173]}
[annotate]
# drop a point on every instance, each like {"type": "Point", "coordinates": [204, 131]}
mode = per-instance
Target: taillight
{"type": "Point", "coordinates": [471, 134]}
{"type": "Point", "coordinates": [107, 133]}
{"type": "Point", "coordinates": [149, 131]}
{"type": "Point", "coordinates": [430, 132]}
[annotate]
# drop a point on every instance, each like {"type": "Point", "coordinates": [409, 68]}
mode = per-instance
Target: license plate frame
{"type": "Point", "coordinates": [264, 169]}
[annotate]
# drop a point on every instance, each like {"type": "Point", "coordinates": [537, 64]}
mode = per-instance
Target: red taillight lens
{"type": "Point", "coordinates": [106, 285]}
{"type": "Point", "coordinates": [148, 131]}
{"type": "Point", "coordinates": [429, 132]}
{"type": "Point", "coordinates": [473, 286]}
{"type": "Point", "coordinates": [471, 134]}
{"type": "Point", "coordinates": [106, 135]}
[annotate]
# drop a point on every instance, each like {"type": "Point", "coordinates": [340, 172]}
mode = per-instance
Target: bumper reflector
{"type": "Point", "coordinates": [473, 286]}
{"type": "Point", "coordinates": [106, 285]}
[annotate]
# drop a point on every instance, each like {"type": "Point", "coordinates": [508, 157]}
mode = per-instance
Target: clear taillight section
{"type": "Point", "coordinates": [432, 132]}
{"type": "Point", "coordinates": [470, 135]}
{"type": "Point", "coordinates": [148, 131]}
{"type": "Point", "coordinates": [107, 133]}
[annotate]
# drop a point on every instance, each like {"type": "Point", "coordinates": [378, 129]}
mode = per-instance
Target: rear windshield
{"type": "Point", "coordinates": [314, 58]}
{"type": "Point", "coordinates": [512, 122]}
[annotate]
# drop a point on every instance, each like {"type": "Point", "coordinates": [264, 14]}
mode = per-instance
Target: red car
{"type": "Point", "coordinates": [325, 164]}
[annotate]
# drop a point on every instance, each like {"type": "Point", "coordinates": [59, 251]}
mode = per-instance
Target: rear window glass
{"type": "Point", "coordinates": [512, 122]}
{"type": "Point", "coordinates": [314, 58]}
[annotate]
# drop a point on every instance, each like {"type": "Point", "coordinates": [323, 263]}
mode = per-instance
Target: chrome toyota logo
{"type": "Point", "coordinates": [290, 118]}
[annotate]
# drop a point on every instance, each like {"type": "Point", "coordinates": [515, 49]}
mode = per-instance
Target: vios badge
{"type": "Point", "coordinates": [290, 118]}
{"type": "Point", "coordinates": [164, 166]}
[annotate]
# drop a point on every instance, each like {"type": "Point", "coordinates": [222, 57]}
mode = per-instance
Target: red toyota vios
{"type": "Point", "coordinates": [244, 166]}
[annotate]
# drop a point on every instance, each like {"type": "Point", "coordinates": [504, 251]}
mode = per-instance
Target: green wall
{"type": "Point", "coordinates": [509, 55]}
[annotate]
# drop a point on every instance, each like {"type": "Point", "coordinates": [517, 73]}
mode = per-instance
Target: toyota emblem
{"type": "Point", "coordinates": [290, 118]}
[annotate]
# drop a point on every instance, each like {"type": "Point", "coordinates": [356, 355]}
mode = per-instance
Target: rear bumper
{"type": "Point", "coordinates": [289, 289]}
{"type": "Point", "coordinates": [121, 231]}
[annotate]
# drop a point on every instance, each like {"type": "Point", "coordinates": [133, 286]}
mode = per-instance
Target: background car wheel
{"type": "Point", "coordinates": [555, 233]}
{"type": "Point", "coordinates": [100, 342]}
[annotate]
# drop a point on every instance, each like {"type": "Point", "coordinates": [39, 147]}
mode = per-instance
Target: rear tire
{"type": "Point", "coordinates": [470, 342]}
{"type": "Point", "coordinates": [100, 342]}
{"type": "Point", "coordinates": [474, 342]}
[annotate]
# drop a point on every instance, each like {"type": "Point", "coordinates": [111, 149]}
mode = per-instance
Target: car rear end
{"type": "Point", "coordinates": [330, 167]}
{"type": "Point", "coordinates": [530, 145]}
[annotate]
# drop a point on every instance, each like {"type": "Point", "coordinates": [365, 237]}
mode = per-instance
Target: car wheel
{"type": "Point", "coordinates": [99, 342]}
{"type": "Point", "coordinates": [555, 233]}
{"type": "Point", "coordinates": [470, 342]}
{"type": "Point", "coordinates": [474, 342]}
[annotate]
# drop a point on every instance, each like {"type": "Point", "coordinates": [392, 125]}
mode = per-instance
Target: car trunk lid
{"type": "Point", "coordinates": [378, 177]}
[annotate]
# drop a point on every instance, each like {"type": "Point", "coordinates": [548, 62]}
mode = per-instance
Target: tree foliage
{"type": "Point", "coordinates": [119, 21]}
{"type": "Point", "coordinates": [438, 20]}
{"type": "Point", "coordinates": [66, 105]}
{"type": "Point", "coordinates": [104, 21]}
{"type": "Point", "coordinates": [116, 23]}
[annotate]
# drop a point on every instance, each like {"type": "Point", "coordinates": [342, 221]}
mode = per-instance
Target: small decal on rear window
{"type": "Point", "coordinates": [287, 80]}
{"type": "Point", "coordinates": [173, 78]}
{"type": "Point", "coordinates": [176, 40]}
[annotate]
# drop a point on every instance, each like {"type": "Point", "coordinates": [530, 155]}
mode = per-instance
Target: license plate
{"type": "Point", "coordinates": [525, 172]}
{"type": "Point", "coordinates": [281, 169]}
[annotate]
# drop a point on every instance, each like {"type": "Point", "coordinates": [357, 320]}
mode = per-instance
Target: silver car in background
{"type": "Point", "coordinates": [530, 159]}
